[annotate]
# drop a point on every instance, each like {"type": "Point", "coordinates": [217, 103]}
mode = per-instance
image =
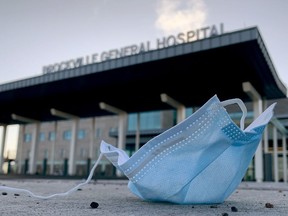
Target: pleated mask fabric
{"type": "Point", "coordinates": [201, 160]}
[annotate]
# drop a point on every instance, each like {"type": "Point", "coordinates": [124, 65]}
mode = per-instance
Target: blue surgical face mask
{"type": "Point", "coordinates": [201, 160]}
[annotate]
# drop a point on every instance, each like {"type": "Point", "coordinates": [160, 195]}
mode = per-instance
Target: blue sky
{"type": "Point", "coordinates": [39, 33]}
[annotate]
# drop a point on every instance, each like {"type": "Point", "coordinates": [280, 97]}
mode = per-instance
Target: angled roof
{"type": "Point", "coordinates": [190, 73]}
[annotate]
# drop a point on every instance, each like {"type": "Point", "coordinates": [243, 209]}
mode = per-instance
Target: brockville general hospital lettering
{"type": "Point", "coordinates": [171, 40]}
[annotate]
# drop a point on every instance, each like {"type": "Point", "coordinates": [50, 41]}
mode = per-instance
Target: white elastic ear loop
{"type": "Point", "coordinates": [57, 194]}
{"type": "Point", "coordinates": [242, 107]}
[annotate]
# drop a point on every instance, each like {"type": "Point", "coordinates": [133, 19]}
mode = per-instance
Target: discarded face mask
{"type": "Point", "coordinates": [201, 160]}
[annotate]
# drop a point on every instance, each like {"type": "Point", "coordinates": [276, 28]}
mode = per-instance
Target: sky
{"type": "Point", "coordinates": [37, 33]}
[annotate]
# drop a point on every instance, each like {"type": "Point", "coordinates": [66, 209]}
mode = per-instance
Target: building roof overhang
{"type": "Point", "coordinates": [190, 73]}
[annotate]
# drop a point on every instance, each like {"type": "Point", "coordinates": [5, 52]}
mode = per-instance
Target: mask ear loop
{"type": "Point", "coordinates": [57, 194]}
{"type": "Point", "coordinates": [242, 107]}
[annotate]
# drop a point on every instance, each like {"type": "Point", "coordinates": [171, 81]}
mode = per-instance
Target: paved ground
{"type": "Point", "coordinates": [114, 198]}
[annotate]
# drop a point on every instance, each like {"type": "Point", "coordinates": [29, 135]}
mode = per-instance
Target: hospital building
{"type": "Point", "coordinates": [129, 95]}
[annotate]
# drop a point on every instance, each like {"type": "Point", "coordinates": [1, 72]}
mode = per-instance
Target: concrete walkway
{"type": "Point", "coordinates": [114, 198]}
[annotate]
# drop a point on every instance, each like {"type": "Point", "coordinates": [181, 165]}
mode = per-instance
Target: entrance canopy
{"type": "Point", "coordinates": [190, 73]}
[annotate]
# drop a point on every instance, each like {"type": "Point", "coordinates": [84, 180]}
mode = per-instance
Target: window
{"type": "Point", "coordinates": [81, 134]}
{"type": "Point", "coordinates": [113, 130]}
{"type": "Point", "coordinates": [148, 120]}
{"type": "Point", "coordinates": [27, 137]}
{"type": "Point", "coordinates": [67, 135]}
{"type": "Point", "coordinates": [132, 122]}
{"type": "Point", "coordinates": [42, 137]}
{"type": "Point", "coordinates": [189, 111]}
{"type": "Point", "coordinates": [52, 136]}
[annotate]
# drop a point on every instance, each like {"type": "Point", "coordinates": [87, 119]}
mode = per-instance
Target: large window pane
{"type": "Point", "coordinates": [148, 120]}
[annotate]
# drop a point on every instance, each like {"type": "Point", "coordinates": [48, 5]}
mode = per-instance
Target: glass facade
{"type": "Point", "coordinates": [147, 120]}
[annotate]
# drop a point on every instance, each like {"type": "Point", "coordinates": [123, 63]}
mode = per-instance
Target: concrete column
{"type": "Point", "coordinates": [34, 147]}
{"type": "Point", "coordinates": [52, 157]}
{"type": "Point", "coordinates": [122, 127]}
{"type": "Point", "coordinates": [284, 146]}
{"type": "Point", "coordinates": [2, 143]}
{"type": "Point", "coordinates": [137, 135]}
{"type": "Point", "coordinates": [275, 155]}
{"type": "Point", "coordinates": [20, 149]}
{"type": "Point", "coordinates": [92, 139]}
{"type": "Point", "coordinates": [181, 114]}
{"type": "Point", "coordinates": [122, 130]}
{"type": "Point", "coordinates": [265, 135]}
{"type": "Point", "coordinates": [75, 121]}
{"type": "Point", "coordinates": [257, 109]}
{"type": "Point", "coordinates": [279, 128]}
{"type": "Point", "coordinates": [72, 164]}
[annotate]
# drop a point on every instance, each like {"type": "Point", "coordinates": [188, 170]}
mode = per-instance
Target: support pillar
{"type": "Point", "coordinates": [284, 146]}
{"type": "Point", "coordinates": [279, 128]}
{"type": "Point", "coordinates": [3, 139]}
{"type": "Point", "coordinates": [34, 147]}
{"type": "Point", "coordinates": [122, 126]}
{"type": "Point", "coordinates": [137, 135]}
{"type": "Point", "coordinates": [21, 160]}
{"type": "Point", "coordinates": [75, 121]}
{"type": "Point", "coordinates": [122, 130]}
{"type": "Point", "coordinates": [72, 164]}
{"type": "Point", "coordinates": [275, 155]}
{"type": "Point", "coordinates": [257, 110]}
{"type": "Point", "coordinates": [52, 158]}
{"type": "Point", "coordinates": [92, 139]}
{"type": "Point", "coordinates": [181, 115]}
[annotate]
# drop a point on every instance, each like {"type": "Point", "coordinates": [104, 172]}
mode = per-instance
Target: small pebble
{"type": "Point", "coordinates": [269, 205]}
{"type": "Point", "coordinates": [234, 209]}
{"type": "Point", "coordinates": [225, 214]}
{"type": "Point", "coordinates": [4, 193]}
{"type": "Point", "coordinates": [94, 205]}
